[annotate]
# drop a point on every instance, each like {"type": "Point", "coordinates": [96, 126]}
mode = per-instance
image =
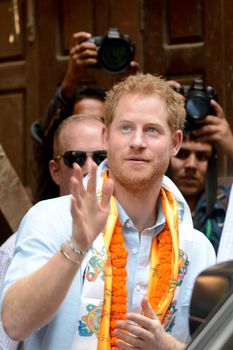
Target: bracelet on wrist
{"type": "Point", "coordinates": [66, 255]}
{"type": "Point", "coordinates": [76, 249]}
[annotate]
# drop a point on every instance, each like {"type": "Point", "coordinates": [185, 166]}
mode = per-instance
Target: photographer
{"type": "Point", "coordinates": [70, 98]}
{"type": "Point", "coordinates": [194, 171]}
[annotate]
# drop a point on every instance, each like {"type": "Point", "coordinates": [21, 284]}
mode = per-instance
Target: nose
{"type": "Point", "coordinates": [87, 166]}
{"type": "Point", "coordinates": [137, 140]}
{"type": "Point", "coordinates": [191, 161]}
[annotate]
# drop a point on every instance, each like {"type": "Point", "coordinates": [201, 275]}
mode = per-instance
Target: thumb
{"type": "Point", "coordinates": [147, 309]}
{"type": "Point", "coordinates": [107, 191]}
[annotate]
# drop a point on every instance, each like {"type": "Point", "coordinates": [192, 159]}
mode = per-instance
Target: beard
{"type": "Point", "coordinates": [137, 177]}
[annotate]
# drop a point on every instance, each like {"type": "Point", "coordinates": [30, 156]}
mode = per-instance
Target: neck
{"type": "Point", "coordinates": [140, 206]}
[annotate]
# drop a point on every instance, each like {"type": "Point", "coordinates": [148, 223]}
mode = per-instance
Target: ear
{"type": "Point", "coordinates": [105, 137]}
{"type": "Point", "coordinates": [54, 170]}
{"type": "Point", "coordinates": [177, 138]}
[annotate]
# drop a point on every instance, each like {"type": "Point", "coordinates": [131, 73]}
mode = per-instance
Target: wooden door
{"type": "Point", "coordinates": [185, 40]}
{"type": "Point", "coordinates": [18, 89]}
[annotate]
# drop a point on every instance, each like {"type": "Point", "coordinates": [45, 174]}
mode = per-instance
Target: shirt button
{"type": "Point", "coordinates": [134, 251]}
{"type": "Point", "coordinates": [138, 288]}
{"type": "Point", "coordinates": [127, 224]}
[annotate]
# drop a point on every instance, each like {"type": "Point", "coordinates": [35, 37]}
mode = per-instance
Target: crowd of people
{"type": "Point", "coordinates": [111, 258]}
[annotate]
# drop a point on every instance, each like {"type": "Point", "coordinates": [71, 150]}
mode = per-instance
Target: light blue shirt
{"type": "Point", "coordinates": [49, 223]}
{"type": "Point", "coordinates": [138, 247]}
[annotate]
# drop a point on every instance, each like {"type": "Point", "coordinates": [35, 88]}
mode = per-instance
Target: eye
{"type": "Point", "coordinates": [183, 154]}
{"type": "Point", "coordinates": [125, 128]}
{"type": "Point", "coordinates": [151, 129]}
{"type": "Point", "coordinates": [202, 156]}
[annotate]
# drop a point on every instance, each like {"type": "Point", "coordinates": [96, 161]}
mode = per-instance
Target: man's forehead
{"type": "Point", "coordinates": [196, 145]}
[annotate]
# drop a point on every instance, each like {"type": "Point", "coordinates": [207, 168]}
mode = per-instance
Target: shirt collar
{"type": "Point", "coordinates": [156, 228]}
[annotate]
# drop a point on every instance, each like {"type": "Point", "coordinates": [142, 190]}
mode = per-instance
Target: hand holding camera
{"type": "Point", "coordinates": [113, 52]}
{"type": "Point", "coordinates": [215, 129]}
{"type": "Point", "coordinates": [197, 102]}
{"type": "Point", "coordinates": [205, 117]}
{"type": "Point", "coordinates": [82, 54]}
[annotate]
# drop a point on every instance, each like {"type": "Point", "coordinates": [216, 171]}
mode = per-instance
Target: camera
{"type": "Point", "coordinates": [197, 102]}
{"type": "Point", "coordinates": [115, 51]}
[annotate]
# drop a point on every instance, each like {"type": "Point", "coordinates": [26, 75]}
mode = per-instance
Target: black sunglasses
{"type": "Point", "coordinates": [80, 157]}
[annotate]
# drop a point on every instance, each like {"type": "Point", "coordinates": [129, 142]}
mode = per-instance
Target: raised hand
{"type": "Point", "coordinates": [89, 214]}
{"type": "Point", "coordinates": [144, 332]}
{"type": "Point", "coordinates": [215, 129]}
{"type": "Point", "coordinates": [82, 54]}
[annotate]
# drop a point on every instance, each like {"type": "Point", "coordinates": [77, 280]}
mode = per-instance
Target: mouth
{"type": "Point", "coordinates": [189, 179]}
{"type": "Point", "coordinates": [137, 159]}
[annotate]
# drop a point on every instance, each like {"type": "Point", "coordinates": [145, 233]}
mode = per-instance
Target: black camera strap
{"type": "Point", "coordinates": [211, 183]}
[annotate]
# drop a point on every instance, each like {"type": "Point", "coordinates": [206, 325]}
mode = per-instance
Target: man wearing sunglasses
{"type": "Point", "coordinates": [191, 170]}
{"type": "Point", "coordinates": [78, 139]}
{"type": "Point", "coordinates": [113, 265]}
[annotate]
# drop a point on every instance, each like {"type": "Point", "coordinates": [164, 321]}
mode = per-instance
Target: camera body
{"type": "Point", "coordinates": [197, 102]}
{"type": "Point", "coordinates": [115, 51]}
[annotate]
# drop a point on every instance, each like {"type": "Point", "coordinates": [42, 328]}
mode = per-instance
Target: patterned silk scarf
{"type": "Point", "coordinates": [164, 267]}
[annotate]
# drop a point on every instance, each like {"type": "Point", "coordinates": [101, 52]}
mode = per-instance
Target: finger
{"type": "Point", "coordinates": [79, 37]}
{"type": "Point", "coordinates": [83, 51]}
{"type": "Point", "coordinates": [127, 338]}
{"type": "Point", "coordinates": [134, 67]}
{"type": "Point", "coordinates": [77, 173]}
{"type": "Point", "coordinates": [173, 84]}
{"type": "Point", "coordinates": [91, 185]}
{"type": "Point", "coordinates": [218, 109]}
{"type": "Point", "coordinates": [147, 309]}
{"type": "Point", "coordinates": [76, 181]}
{"type": "Point", "coordinates": [76, 189]}
{"type": "Point", "coordinates": [128, 327]}
{"type": "Point", "coordinates": [143, 321]}
{"type": "Point", "coordinates": [107, 192]}
{"type": "Point", "coordinates": [124, 346]}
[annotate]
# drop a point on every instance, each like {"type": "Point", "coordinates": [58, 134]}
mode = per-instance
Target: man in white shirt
{"type": "Point", "coordinates": [77, 289]}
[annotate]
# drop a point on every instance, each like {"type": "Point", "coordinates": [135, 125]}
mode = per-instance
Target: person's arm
{"type": "Point", "coordinates": [6, 254]}
{"type": "Point", "coordinates": [144, 332]}
{"type": "Point", "coordinates": [32, 301]}
{"type": "Point", "coordinates": [216, 130]}
{"type": "Point", "coordinates": [82, 54]}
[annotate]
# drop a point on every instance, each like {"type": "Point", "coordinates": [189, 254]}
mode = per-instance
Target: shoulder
{"type": "Point", "coordinates": [49, 220]}
{"type": "Point", "coordinates": [7, 247]}
{"type": "Point", "coordinates": [50, 208]}
{"type": "Point", "coordinates": [203, 250]}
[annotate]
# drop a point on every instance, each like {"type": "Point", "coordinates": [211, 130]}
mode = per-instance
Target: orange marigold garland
{"type": "Point", "coordinates": [119, 276]}
{"type": "Point", "coordinates": [163, 269]}
{"type": "Point", "coordinates": [164, 263]}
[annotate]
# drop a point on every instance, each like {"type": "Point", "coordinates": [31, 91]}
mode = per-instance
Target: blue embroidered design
{"type": "Point", "coordinates": [180, 207]}
{"type": "Point", "coordinates": [96, 265]}
{"type": "Point", "coordinates": [90, 323]}
{"type": "Point", "coordinates": [183, 266]}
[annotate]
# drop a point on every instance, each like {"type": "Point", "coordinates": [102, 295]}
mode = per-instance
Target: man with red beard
{"type": "Point", "coordinates": [127, 256]}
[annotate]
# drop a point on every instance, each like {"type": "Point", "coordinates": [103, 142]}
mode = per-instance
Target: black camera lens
{"type": "Point", "coordinates": [197, 102]}
{"type": "Point", "coordinates": [198, 106]}
{"type": "Point", "coordinates": [115, 55]}
{"type": "Point", "coordinates": [115, 51]}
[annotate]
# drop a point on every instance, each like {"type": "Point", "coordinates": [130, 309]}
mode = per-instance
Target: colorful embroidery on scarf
{"type": "Point", "coordinates": [95, 265]}
{"type": "Point", "coordinates": [169, 319]}
{"type": "Point", "coordinates": [184, 262]}
{"type": "Point", "coordinates": [180, 208]}
{"type": "Point", "coordinates": [163, 275]}
{"type": "Point", "coordinates": [90, 322]}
